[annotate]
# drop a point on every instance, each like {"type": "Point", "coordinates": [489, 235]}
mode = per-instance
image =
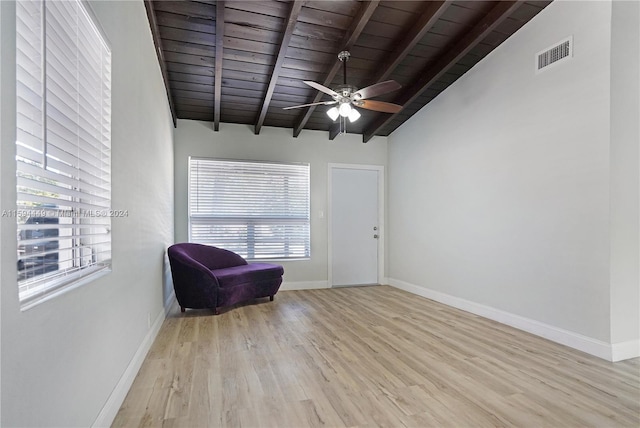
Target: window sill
{"type": "Point", "coordinates": [32, 302]}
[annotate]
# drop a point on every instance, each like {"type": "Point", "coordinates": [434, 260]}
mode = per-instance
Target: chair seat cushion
{"type": "Point", "coordinates": [253, 272]}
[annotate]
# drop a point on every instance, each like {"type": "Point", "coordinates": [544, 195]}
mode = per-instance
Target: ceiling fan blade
{"type": "Point", "coordinates": [321, 88]}
{"type": "Point", "coordinates": [380, 106]}
{"type": "Point", "coordinates": [377, 89]}
{"type": "Point", "coordinates": [326, 103]}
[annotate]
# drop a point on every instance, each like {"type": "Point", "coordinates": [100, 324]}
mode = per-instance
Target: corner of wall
{"type": "Point", "coordinates": [7, 175]}
{"type": "Point", "coordinates": [624, 183]}
{"type": "Point", "coordinates": [625, 350]}
{"type": "Point", "coordinates": [1, 139]}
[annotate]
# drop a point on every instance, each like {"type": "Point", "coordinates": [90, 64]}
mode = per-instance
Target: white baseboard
{"type": "Point", "coordinates": [111, 407]}
{"type": "Point", "coordinates": [625, 350]}
{"type": "Point", "coordinates": [303, 285]}
{"type": "Point", "coordinates": [598, 348]}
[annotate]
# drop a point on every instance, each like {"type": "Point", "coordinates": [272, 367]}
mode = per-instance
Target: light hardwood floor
{"type": "Point", "coordinates": [369, 357]}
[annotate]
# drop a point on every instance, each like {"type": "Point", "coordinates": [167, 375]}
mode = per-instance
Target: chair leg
{"type": "Point", "coordinates": [182, 309]}
{"type": "Point", "coordinates": [271, 298]}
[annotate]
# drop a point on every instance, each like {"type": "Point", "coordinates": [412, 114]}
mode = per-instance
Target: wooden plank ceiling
{"type": "Point", "coordinates": [243, 61]}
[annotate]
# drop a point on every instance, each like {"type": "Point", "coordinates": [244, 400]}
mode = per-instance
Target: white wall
{"type": "Point", "coordinates": [625, 176]}
{"type": "Point", "coordinates": [63, 360]}
{"type": "Point", "coordinates": [5, 46]}
{"type": "Point", "coordinates": [193, 138]}
{"type": "Point", "coordinates": [499, 189]}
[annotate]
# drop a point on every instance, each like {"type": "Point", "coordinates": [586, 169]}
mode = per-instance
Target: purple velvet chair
{"type": "Point", "coordinates": [210, 277]}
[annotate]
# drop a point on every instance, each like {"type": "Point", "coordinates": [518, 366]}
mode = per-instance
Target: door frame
{"type": "Point", "coordinates": [381, 219]}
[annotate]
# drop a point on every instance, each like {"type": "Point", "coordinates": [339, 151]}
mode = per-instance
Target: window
{"type": "Point", "coordinates": [63, 146]}
{"type": "Point", "coordinates": [259, 210]}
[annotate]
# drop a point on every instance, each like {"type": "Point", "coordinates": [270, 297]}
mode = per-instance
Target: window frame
{"type": "Point", "coordinates": [76, 212]}
{"type": "Point", "coordinates": [251, 241]}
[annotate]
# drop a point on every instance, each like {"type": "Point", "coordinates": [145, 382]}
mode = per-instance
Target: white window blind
{"type": "Point", "coordinates": [259, 210]}
{"type": "Point", "coordinates": [63, 145]}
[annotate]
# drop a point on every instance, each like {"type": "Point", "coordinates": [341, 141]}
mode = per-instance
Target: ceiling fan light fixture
{"type": "Point", "coordinates": [333, 113]}
{"type": "Point", "coordinates": [345, 109]}
{"type": "Point", "coordinates": [354, 115]}
{"type": "Point", "coordinates": [345, 97]}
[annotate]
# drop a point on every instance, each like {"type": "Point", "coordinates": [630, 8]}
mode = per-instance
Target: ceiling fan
{"type": "Point", "coordinates": [347, 97]}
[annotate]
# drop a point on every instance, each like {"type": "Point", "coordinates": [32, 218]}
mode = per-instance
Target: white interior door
{"type": "Point", "coordinates": [354, 226]}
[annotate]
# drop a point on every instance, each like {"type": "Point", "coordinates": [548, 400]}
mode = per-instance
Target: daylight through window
{"type": "Point", "coordinates": [63, 146]}
{"type": "Point", "coordinates": [259, 210]}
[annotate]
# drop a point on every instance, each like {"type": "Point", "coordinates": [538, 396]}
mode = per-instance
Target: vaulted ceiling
{"type": "Point", "coordinates": [243, 61]}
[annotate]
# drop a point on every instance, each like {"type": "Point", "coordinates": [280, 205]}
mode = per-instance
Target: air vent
{"type": "Point", "coordinates": [557, 53]}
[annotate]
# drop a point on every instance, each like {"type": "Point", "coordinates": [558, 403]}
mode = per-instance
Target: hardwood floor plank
{"type": "Point", "coordinates": [369, 357]}
{"type": "Point", "coordinates": [180, 387]}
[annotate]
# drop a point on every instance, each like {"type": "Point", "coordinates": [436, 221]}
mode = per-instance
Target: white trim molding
{"type": "Point", "coordinates": [598, 348]}
{"type": "Point", "coordinates": [303, 285]}
{"type": "Point", "coordinates": [110, 409]}
{"type": "Point", "coordinates": [625, 350]}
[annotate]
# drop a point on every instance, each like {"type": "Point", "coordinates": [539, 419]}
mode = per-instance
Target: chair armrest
{"type": "Point", "coordinates": [195, 285]}
{"type": "Point", "coordinates": [195, 268]}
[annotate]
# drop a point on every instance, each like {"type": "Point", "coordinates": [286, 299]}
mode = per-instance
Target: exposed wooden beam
{"type": "Point", "coordinates": [451, 56]}
{"type": "Point", "coordinates": [155, 33]}
{"type": "Point", "coordinates": [218, 65]}
{"type": "Point", "coordinates": [296, 6]}
{"type": "Point", "coordinates": [350, 38]}
{"type": "Point", "coordinates": [334, 131]}
{"type": "Point", "coordinates": [431, 13]}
